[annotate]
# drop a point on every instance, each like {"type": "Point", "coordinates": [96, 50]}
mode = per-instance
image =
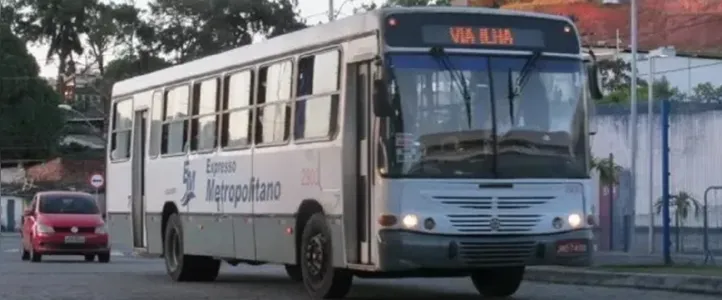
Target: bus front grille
{"type": "Point", "coordinates": [496, 253]}
{"type": "Point", "coordinates": [486, 223]}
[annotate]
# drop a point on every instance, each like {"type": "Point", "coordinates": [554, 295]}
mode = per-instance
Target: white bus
{"type": "Point", "coordinates": [434, 141]}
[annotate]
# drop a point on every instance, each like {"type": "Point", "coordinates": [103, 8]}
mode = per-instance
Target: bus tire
{"type": "Point", "coordinates": [498, 282]}
{"type": "Point", "coordinates": [294, 272]}
{"type": "Point", "coordinates": [182, 267]}
{"type": "Point", "coordinates": [320, 278]}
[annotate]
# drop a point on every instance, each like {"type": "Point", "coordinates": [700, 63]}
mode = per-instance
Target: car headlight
{"type": "Point", "coordinates": [43, 229]}
{"type": "Point", "coordinates": [102, 229]}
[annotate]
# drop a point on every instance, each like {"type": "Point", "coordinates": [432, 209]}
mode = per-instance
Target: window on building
{"type": "Point", "coordinates": [273, 105]}
{"type": "Point", "coordinates": [317, 96]}
{"type": "Point", "coordinates": [204, 118]}
{"type": "Point", "coordinates": [174, 129]}
{"type": "Point", "coordinates": [122, 128]}
{"type": "Point", "coordinates": [236, 106]}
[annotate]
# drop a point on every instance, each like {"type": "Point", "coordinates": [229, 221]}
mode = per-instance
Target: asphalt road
{"type": "Point", "coordinates": [128, 278]}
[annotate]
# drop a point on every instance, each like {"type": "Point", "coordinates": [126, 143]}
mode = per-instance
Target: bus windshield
{"type": "Point", "coordinates": [443, 125]}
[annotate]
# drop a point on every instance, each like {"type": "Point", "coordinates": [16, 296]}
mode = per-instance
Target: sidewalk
{"type": "Point", "coordinates": [642, 271]}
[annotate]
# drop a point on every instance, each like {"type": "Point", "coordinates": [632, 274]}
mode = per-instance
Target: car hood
{"type": "Point", "coordinates": [68, 220]}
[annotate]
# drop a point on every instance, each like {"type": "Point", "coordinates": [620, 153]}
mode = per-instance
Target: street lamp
{"type": "Point", "coordinates": [661, 52]}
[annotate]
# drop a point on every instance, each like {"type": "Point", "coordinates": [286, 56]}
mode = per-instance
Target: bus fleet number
{"type": "Point", "coordinates": [309, 177]}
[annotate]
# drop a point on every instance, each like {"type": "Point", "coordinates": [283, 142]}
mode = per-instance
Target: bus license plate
{"type": "Point", "coordinates": [570, 247]}
{"type": "Point", "coordinates": [74, 239]}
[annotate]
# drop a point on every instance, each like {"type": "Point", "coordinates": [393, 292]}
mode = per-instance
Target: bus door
{"type": "Point", "coordinates": [140, 240]}
{"type": "Point", "coordinates": [364, 158]}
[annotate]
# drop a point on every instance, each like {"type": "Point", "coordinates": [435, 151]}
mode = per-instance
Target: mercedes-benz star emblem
{"type": "Point", "coordinates": [74, 229]}
{"type": "Point", "coordinates": [494, 224]}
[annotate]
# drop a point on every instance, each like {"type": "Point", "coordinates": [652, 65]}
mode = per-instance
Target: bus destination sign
{"type": "Point", "coordinates": [471, 36]}
{"type": "Point", "coordinates": [475, 30]}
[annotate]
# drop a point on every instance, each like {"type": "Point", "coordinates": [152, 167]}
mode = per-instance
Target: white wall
{"type": "Point", "coordinates": [683, 73]}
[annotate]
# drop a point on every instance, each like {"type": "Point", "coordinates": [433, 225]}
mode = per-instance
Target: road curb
{"type": "Point", "coordinates": [666, 282]}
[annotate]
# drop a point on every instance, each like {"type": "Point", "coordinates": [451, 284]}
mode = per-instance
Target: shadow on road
{"type": "Point", "coordinates": [361, 290]}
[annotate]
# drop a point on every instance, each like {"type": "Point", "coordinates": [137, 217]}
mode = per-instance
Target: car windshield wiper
{"type": "Point", "coordinates": [515, 88]}
{"type": "Point", "coordinates": [442, 58]}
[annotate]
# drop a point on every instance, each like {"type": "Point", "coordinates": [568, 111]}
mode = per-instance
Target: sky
{"type": "Point", "coordinates": [314, 11]}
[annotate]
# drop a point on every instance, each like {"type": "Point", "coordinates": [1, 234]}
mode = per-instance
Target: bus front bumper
{"type": "Point", "coordinates": [401, 250]}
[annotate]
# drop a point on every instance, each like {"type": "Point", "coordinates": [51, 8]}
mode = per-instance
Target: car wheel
{"type": "Point", "coordinates": [25, 254]}
{"type": "Point", "coordinates": [89, 257]}
{"type": "Point", "coordinates": [34, 256]}
{"type": "Point", "coordinates": [320, 278]}
{"type": "Point", "coordinates": [104, 257]}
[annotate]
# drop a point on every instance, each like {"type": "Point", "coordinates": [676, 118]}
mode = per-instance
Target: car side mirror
{"type": "Point", "coordinates": [104, 216]}
{"type": "Point", "coordinates": [382, 107]}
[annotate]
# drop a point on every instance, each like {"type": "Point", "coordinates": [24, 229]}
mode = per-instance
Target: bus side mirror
{"type": "Point", "coordinates": [594, 81]}
{"type": "Point", "coordinates": [382, 107]}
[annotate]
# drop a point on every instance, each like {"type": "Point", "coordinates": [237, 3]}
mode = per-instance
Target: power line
{"type": "Point", "coordinates": [687, 68]}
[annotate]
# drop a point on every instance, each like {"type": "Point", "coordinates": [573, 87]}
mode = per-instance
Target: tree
{"type": "Point", "coordinates": [389, 3]}
{"type": "Point", "coordinates": [57, 22]}
{"type": "Point", "coordinates": [683, 204]}
{"type": "Point", "coordinates": [615, 74]}
{"type": "Point", "coordinates": [663, 90]}
{"type": "Point", "coordinates": [130, 66]}
{"type": "Point", "coordinates": [608, 170]}
{"type": "Point", "coordinates": [192, 29]}
{"type": "Point", "coordinates": [30, 121]}
{"type": "Point", "coordinates": [706, 93]}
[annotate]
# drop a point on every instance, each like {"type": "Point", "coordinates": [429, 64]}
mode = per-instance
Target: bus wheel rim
{"type": "Point", "coordinates": [316, 257]}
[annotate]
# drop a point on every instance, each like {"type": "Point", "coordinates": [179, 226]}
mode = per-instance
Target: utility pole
{"type": "Point", "coordinates": [631, 205]}
{"type": "Point", "coordinates": [331, 11]}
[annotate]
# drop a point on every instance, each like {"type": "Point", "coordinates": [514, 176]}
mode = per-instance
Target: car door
{"type": "Point", "coordinates": [28, 223]}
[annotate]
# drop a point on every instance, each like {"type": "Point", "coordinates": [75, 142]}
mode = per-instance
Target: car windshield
{"type": "Point", "coordinates": [443, 124]}
{"type": "Point", "coordinates": [68, 205]}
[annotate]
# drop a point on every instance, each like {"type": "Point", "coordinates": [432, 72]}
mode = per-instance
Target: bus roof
{"type": "Point", "coordinates": [353, 26]}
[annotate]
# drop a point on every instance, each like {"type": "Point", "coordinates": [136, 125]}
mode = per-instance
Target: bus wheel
{"type": "Point", "coordinates": [183, 267]}
{"type": "Point", "coordinates": [321, 279]}
{"type": "Point", "coordinates": [294, 272]}
{"type": "Point", "coordinates": [498, 282]}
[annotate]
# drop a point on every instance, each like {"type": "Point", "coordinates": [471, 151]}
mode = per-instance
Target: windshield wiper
{"type": "Point", "coordinates": [442, 58]}
{"type": "Point", "coordinates": [516, 87]}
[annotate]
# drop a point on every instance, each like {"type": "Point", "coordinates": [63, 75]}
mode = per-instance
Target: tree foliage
{"type": "Point", "coordinates": [188, 30]}
{"type": "Point", "coordinates": [30, 121]}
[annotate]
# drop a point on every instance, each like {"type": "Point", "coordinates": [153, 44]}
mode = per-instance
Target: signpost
{"type": "Point", "coordinates": [97, 181]}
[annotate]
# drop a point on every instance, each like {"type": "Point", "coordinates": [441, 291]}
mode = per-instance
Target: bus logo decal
{"type": "Point", "coordinates": [189, 180]}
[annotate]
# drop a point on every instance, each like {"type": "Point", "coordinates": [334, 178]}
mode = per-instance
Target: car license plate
{"type": "Point", "coordinates": [571, 247]}
{"type": "Point", "coordinates": [74, 239]}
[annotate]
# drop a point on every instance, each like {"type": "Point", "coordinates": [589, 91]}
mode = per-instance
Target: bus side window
{"type": "Point", "coordinates": [273, 107]}
{"type": "Point", "coordinates": [317, 96]}
{"type": "Point", "coordinates": [175, 120]}
{"type": "Point", "coordinates": [236, 110]}
{"type": "Point", "coordinates": [204, 117]}
{"type": "Point", "coordinates": [122, 125]}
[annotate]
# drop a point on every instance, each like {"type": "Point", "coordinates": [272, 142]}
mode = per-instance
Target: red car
{"type": "Point", "coordinates": [64, 223]}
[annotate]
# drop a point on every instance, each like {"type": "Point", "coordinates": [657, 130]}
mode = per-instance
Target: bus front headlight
{"type": "Point", "coordinates": [410, 221]}
{"type": "Point", "coordinates": [574, 220]}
